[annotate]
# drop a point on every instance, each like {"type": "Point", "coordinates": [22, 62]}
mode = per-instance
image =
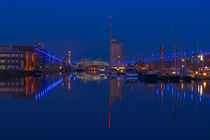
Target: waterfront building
{"type": "Point", "coordinates": [92, 63]}
{"type": "Point", "coordinates": [26, 58]}
{"type": "Point", "coordinates": [206, 58]}
{"type": "Point", "coordinates": [117, 53]}
{"type": "Point", "coordinates": [161, 59]}
{"type": "Point", "coordinates": [116, 50]}
{"type": "Point", "coordinates": [17, 57]}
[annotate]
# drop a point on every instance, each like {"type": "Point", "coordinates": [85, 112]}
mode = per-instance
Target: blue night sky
{"type": "Point", "coordinates": [83, 25]}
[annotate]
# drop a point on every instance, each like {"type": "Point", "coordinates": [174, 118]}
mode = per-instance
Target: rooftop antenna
{"type": "Point", "coordinates": [37, 40]}
{"type": "Point", "coordinates": [111, 32]}
{"type": "Point", "coordinates": [38, 44]}
{"type": "Point", "coordinates": [42, 45]}
{"type": "Point", "coordinates": [181, 50]}
{"type": "Point", "coordinates": [111, 38]}
{"type": "Point", "coordinates": [138, 59]}
{"type": "Point", "coordinates": [141, 58]}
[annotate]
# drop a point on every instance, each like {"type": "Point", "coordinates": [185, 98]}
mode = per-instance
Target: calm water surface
{"type": "Point", "coordinates": [81, 106]}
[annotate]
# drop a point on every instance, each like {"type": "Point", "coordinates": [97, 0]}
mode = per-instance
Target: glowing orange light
{"type": "Point", "coordinates": [182, 85]}
{"type": "Point", "coordinates": [33, 62]}
{"type": "Point", "coordinates": [204, 84]}
{"type": "Point", "coordinates": [32, 86]}
{"type": "Point", "coordinates": [27, 61]}
{"type": "Point", "coordinates": [27, 85]}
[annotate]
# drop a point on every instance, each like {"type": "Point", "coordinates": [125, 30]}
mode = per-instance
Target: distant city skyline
{"type": "Point", "coordinates": [83, 26]}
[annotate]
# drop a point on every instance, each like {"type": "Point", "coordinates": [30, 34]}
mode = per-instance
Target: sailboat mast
{"type": "Point", "coordinates": [175, 49]}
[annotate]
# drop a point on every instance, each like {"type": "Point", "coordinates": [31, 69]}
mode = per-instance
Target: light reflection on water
{"type": "Point", "coordinates": [124, 95]}
{"type": "Point", "coordinates": [30, 87]}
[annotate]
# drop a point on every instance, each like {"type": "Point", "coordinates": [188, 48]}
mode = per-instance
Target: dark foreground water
{"type": "Point", "coordinates": [89, 106]}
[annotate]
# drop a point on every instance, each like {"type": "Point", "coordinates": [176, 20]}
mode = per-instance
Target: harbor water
{"type": "Point", "coordinates": [94, 106]}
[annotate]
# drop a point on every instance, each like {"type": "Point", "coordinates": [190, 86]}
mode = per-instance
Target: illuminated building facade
{"type": "Point", "coordinates": [17, 57]}
{"type": "Point", "coordinates": [26, 58]}
{"type": "Point", "coordinates": [116, 50]}
{"type": "Point", "coordinates": [117, 53]}
{"type": "Point", "coordinates": [92, 63]}
{"type": "Point", "coordinates": [161, 59]}
{"type": "Point", "coordinates": [205, 58]}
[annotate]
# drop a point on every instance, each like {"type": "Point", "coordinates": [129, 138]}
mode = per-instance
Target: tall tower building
{"type": "Point", "coordinates": [161, 59]}
{"type": "Point", "coordinates": [117, 53]}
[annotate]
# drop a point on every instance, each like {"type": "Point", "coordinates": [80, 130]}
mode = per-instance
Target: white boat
{"type": "Point", "coordinates": [102, 70]}
{"type": "Point", "coordinates": [131, 72]}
